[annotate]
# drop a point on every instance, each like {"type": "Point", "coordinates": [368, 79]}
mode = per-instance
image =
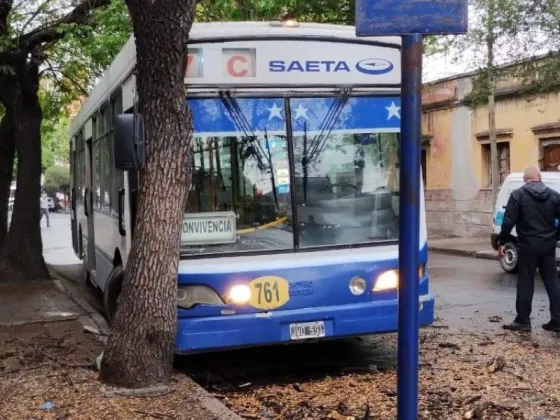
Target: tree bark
{"type": "Point", "coordinates": [21, 254]}
{"type": "Point", "coordinates": [7, 151]}
{"type": "Point", "coordinates": [141, 345]}
{"type": "Point", "coordinates": [494, 164]}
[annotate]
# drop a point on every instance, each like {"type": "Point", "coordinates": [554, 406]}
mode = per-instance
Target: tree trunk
{"type": "Point", "coordinates": [495, 167]}
{"type": "Point", "coordinates": [6, 170]}
{"type": "Point", "coordinates": [21, 255]}
{"type": "Point", "coordinates": [141, 345]}
{"type": "Point", "coordinates": [494, 164]}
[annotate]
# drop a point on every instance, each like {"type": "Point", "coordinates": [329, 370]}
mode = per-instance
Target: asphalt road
{"type": "Point", "coordinates": [469, 292]}
{"type": "Point", "coordinates": [471, 295]}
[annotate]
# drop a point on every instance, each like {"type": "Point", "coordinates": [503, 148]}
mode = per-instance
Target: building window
{"type": "Point", "coordinates": [503, 162]}
{"type": "Point", "coordinates": [550, 152]}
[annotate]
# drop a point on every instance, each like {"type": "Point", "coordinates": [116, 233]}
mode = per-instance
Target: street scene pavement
{"type": "Point", "coordinates": [469, 366]}
{"type": "Point", "coordinates": [51, 333]}
{"type": "Point", "coordinates": [468, 291]}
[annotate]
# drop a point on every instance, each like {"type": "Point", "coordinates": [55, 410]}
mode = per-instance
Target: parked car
{"type": "Point", "coordinates": [512, 182]}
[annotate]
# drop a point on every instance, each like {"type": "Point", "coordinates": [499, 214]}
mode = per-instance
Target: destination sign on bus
{"type": "Point", "coordinates": [293, 62]}
{"type": "Point", "coordinates": [209, 228]}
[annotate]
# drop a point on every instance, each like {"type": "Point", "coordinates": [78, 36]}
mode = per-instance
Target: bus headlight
{"type": "Point", "coordinates": [189, 296]}
{"type": "Point", "coordinates": [239, 294]}
{"type": "Point", "coordinates": [357, 286]}
{"type": "Point", "coordinates": [387, 280]}
{"type": "Point", "coordinates": [390, 279]}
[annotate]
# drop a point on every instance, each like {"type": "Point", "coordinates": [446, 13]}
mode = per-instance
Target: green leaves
{"type": "Point", "coordinates": [57, 178]}
{"type": "Point", "coordinates": [54, 131]}
{"type": "Point", "coordinates": [322, 11]}
{"type": "Point", "coordinates": [78, 50]}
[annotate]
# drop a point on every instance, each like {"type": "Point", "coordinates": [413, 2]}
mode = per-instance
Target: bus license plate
{"type": "Point", "coordinates": [307, 330]}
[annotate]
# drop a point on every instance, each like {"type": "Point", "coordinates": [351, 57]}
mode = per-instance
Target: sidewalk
{"type": "Point", "coordinates": [467, 247]}
{"type": "Point", "coordinates": [50, 337]}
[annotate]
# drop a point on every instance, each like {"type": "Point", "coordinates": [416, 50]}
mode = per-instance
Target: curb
{"type": "Point", "coordinates": [486, 255]}
{"type": "Point", "coordinates": [93, 318]}
{"type": "Point", "coordinates": [213, 405]}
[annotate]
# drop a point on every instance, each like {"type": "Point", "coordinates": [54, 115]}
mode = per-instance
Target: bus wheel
{"type": "Point", "coordinates": [112, 292]}
{"type": "Point", "coordinates": [510, 258]}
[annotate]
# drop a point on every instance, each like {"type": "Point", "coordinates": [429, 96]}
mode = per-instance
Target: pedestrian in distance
{"type": "Point", "coordinates": [533, 209]}
{"type": "Point", "coordinates": [45, 209]}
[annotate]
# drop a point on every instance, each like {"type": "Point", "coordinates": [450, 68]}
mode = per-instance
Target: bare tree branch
{"type": "Point", "coordinates": [56, 71]}
{"type": "Point", "coordinates": [38, 10]}
{"type": "Point", "coordinates": [80, 14]}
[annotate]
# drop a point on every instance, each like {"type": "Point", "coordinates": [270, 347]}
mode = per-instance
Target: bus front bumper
{"type": "Point", "coordinates": [235, 331]}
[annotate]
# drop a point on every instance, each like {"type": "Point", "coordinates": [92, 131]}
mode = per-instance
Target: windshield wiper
{"type": "Point", "coordinates": [241, 122]}
{"type": "Point", "coordinates": [304, 162]}
{"type": "Point", "coordinates": [328, 123]}
{"type": "Point", "coordinates": [274, 192]}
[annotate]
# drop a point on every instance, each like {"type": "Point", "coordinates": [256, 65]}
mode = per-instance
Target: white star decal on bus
{"type": "Point", "coordinates": [275, 111]}
{"type": "Point", "coordinates": [393, 111]}
{"type": "Point", "coordinates": [301, 112]}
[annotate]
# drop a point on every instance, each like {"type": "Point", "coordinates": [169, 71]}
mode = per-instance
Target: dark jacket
{"type": "Point", "coordinates": [532, 209]}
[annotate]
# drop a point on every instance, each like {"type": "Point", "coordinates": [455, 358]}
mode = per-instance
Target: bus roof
{"type": "Point", "coordinates": [125, 61]}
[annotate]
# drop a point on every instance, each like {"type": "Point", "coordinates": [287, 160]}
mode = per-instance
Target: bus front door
{"type": "Point", "coordinates": [74, 202]}
{"type": "Point", "coordinates": [88, 211]}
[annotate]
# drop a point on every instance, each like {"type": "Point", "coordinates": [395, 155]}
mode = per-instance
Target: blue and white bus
{"type": "Point", "coordinates": [291, 225]}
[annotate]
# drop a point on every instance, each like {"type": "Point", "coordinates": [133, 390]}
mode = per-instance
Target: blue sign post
{"type": "Point", "coordinates": [410, 19]}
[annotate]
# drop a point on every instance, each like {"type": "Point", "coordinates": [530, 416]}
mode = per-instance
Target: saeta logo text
{"type": "Point", "coordinates": [370, 66]}
{"type": "Point", "coordinates": [308, 66]}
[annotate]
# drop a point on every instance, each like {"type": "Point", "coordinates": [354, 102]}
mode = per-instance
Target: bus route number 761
{"type": "Point", "coordinates": [269, 292]}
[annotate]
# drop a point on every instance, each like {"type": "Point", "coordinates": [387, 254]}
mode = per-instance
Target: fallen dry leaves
{"type": "Point", "coordinates": [462, 376]}
{"type": "Point", "coordinates": [47, 372]}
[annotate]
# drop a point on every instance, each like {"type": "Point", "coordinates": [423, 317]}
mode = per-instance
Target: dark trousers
{"type": "Point", "coordinates": [526, 270]}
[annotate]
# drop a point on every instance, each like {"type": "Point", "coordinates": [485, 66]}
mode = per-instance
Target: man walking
{"type": "Point", "coordinates": [533, 209]}
{"type": "Point", "coordinates": [45, 209]}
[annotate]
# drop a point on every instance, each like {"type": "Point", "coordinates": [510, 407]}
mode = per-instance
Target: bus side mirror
{"type": "Point", "coordinates": [128, 143]}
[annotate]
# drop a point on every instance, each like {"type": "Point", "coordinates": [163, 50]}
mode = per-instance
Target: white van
{"type": "Point", "coordinates": [512, 182]}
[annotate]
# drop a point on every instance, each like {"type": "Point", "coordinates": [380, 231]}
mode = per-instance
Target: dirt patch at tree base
{"type": "Point", "coordinates": [47, 371]}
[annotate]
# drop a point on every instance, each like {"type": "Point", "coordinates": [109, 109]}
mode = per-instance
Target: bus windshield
{"type": "Point", "coordinates": [342, 184]}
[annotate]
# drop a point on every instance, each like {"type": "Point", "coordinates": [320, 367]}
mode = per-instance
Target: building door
{"type": "Point", "coordinates": [423, 166]}
{"type": "Point", "coordinates": [551, 158]}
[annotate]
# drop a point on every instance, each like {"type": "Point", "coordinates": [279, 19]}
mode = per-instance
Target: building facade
{"type": "Point", "coordinates": [456, 149]}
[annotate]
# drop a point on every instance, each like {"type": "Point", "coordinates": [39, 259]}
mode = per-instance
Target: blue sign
{"type": "Point", "coordinates": [358, 114]}
{"type": "Point", "coordinates": [260, 115]}
{"type": "Point", "coordinates": [283, 189]}
{"type": "Point", "coordinates": [403, 17]}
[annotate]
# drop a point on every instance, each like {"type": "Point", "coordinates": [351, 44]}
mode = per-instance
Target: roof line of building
{"type": "Point", "coordinates": [501, 66]}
